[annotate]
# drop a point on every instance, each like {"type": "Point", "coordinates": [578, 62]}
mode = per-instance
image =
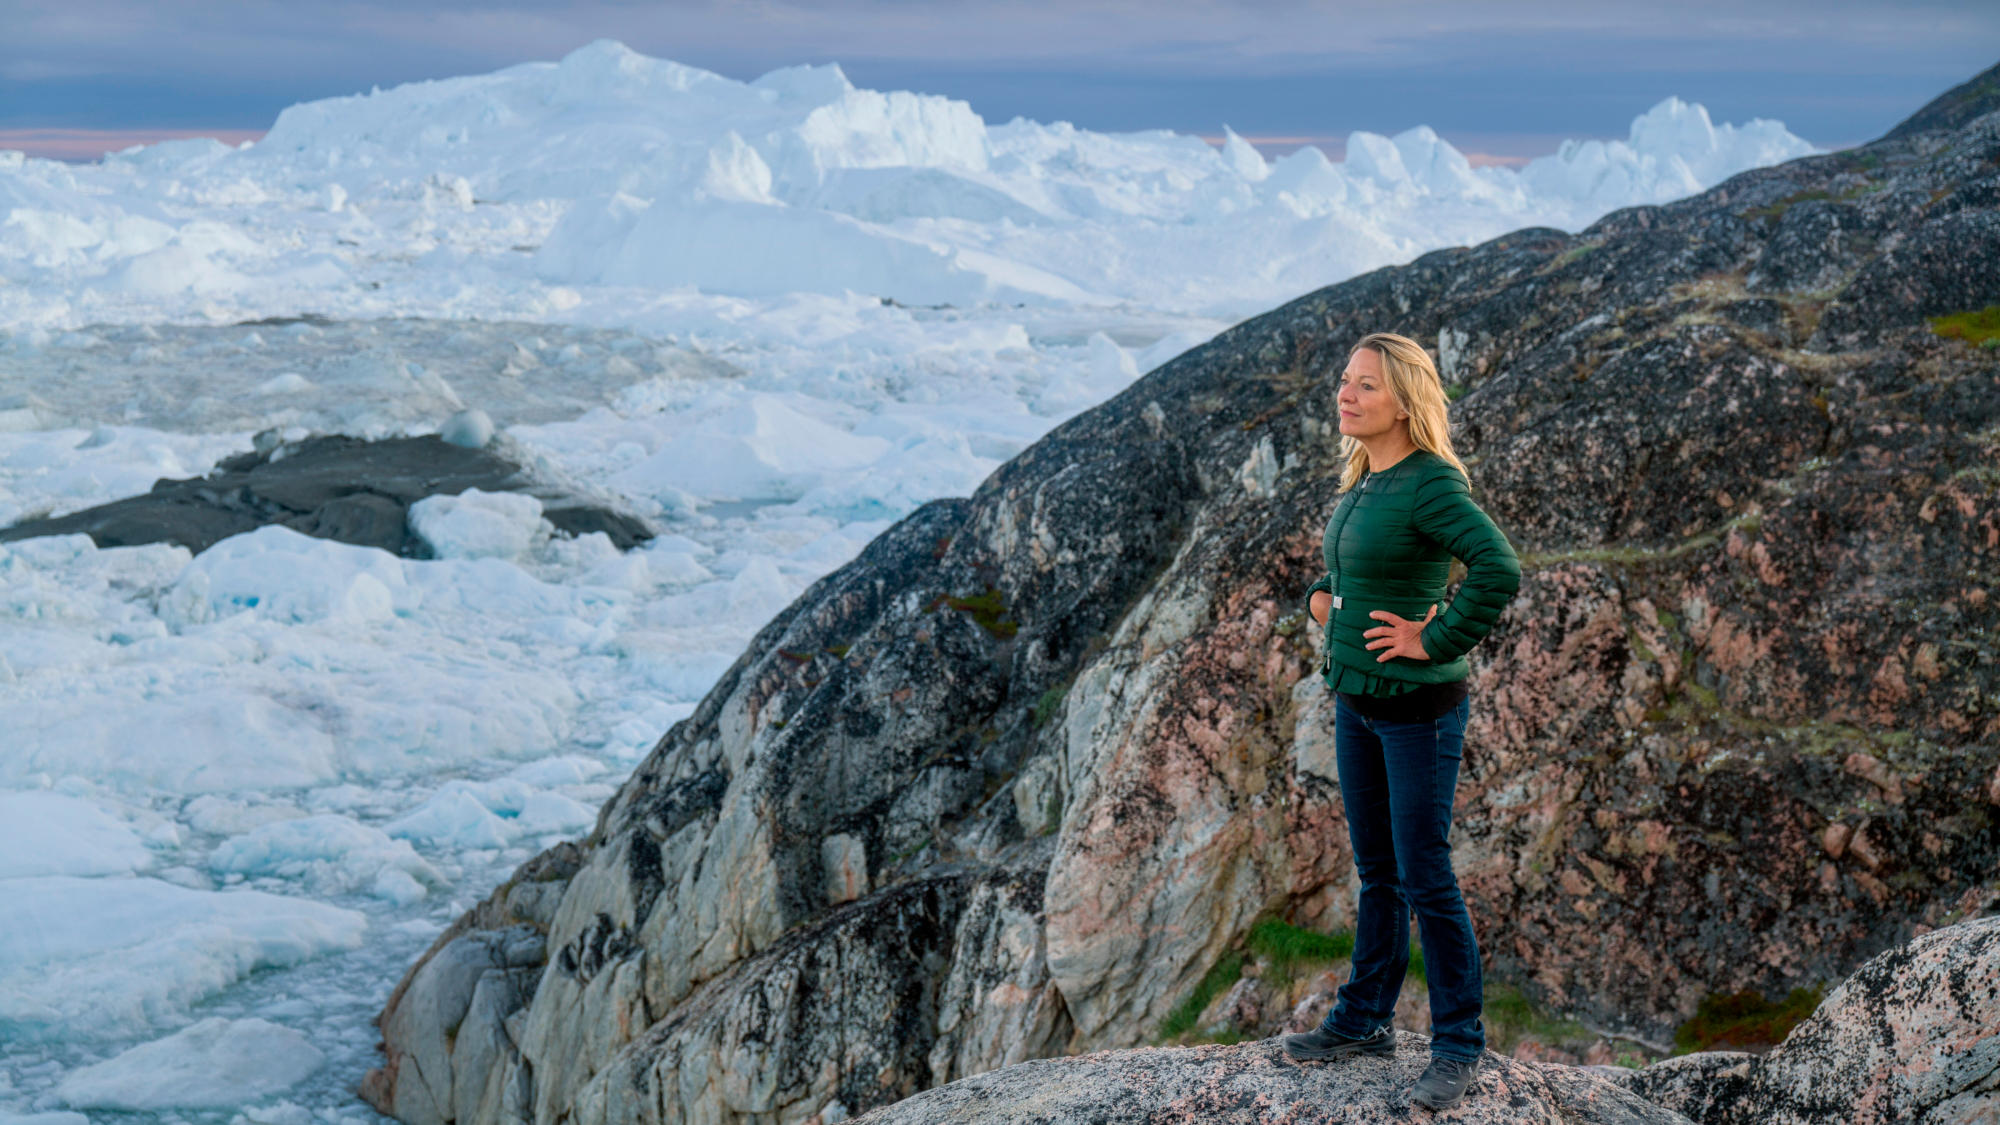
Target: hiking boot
{"type": "Point", "coordinates": [1444, 1081]}
{"type": "Point", "coordinates": [1321, 1043]}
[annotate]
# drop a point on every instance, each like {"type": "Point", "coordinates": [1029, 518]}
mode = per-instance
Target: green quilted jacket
{"type": "Point", "coordinates": [1389, 545]}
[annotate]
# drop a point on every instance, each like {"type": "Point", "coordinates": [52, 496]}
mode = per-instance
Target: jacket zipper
{"type": "Point", "coordinates": [1326, 641]}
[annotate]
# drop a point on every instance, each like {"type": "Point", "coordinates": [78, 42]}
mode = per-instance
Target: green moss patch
{"type": "Point", "coordinates": [986, 609]}
{"type": "Point", "coordinates": [1572, 254]}
{"type": "Point", "coordinates": [1744, 1020]}
{"type": "Point", "coordinates": [1783, 205]}
{"type": "Point", "coordinates": [1981, 328]}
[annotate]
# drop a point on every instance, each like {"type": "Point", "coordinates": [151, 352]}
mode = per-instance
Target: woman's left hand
{"type": "Point", "coordinates": [1398, 637]}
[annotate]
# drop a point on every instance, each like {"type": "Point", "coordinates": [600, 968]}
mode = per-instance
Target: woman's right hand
{"type": "Point", "coordinates": [1320, 605]}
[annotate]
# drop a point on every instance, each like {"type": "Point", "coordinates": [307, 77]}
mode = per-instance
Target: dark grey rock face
{"type": "Point", "coordinates": [1954, 108]}
{"type": "Point", "coordinates": [332, 487]}
{"type": "Point", "coordinates": [1707, 1086]}
{"type": "Point", "coordinates": [1037, 760]}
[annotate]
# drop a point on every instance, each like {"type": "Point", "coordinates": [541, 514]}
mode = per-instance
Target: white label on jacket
{"type": "Point", "coordinates": [1336, 601]}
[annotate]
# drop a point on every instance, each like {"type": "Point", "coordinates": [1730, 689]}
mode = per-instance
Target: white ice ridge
{"type": "Point", "coordinates": [104, 956]}
{"type": "Point", "coordinates": [213, 1063]}
{"type": "Point", "coordinates": [535, 189]}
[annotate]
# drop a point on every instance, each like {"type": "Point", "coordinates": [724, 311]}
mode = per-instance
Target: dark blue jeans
{"type": "Point", "coordinates": [1396, 781]}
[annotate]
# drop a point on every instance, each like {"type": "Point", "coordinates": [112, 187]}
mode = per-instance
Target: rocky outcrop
{"type": "Point", "coordinates": [1707, 1086]}
{"type": "Point", "coordinates": [334, 487]}
{"type": "Point", "coordinates": [1013, 781]}
{"type": "Point", "coordinates": [470, 984]}
{"type": "Point", "coordinates": [1913, 1036]}
{"type": "Point", "coordinates": [1257, 1082]}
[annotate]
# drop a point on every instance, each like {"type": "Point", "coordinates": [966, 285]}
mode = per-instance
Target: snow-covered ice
{"type": "Point", "coordinates": [54, 834]}
{"type": "Point", "coordinates": [592, 188]}
{"type": "Point", "coordinates": [107, 956]}
{"type": "Point", "coordinates": [215, 1063]}
{"type": "Point", "coordinates": [773, 316]}
{"type": "Point", "coordinates": [478, 525]}
{"type": "Point", "coordinates": [330, 854]}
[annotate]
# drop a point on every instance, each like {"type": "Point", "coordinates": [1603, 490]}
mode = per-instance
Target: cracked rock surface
{"type": "Point", "coordinates": [1257, 1082]}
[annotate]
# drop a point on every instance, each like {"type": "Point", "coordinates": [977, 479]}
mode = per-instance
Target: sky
{"type": "Point", "coordinates": [1502, 80]}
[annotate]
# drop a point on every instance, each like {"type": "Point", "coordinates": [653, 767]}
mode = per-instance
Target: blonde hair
{"type": "Point", "coordinates": [1414, 384]}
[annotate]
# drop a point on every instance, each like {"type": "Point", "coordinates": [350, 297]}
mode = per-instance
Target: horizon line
{"type": "Point", "coordinates": [84, 146]}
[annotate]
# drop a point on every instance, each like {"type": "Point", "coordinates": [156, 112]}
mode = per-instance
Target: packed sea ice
{"type": "Point", "coordinates": [240, 792]}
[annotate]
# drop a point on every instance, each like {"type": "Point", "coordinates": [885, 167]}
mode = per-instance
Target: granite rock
{"type": "Point", "coordinates": [1256, 1082]}
{"type": "Point", "coordinates": [1758, 522]}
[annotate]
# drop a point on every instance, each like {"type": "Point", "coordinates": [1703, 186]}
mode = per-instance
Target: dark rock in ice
{"type": "Point", "coordinates": [333, 487]}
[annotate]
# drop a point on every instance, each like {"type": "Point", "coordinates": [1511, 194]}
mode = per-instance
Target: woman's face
{"type": "Point", "coordinates": [1367, 409]}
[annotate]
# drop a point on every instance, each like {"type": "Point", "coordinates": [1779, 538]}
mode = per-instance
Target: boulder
{"type": "Point", "coordinates": [429, 1079]}
{"type": "Point", "coordinates": [1706, 1086]}
{"type": "Point", "coordinates": [1913, 1036]}
{"type": "Point", "coordinates": [1258, 1082]}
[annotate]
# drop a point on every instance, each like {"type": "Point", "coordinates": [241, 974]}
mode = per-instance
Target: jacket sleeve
{"type": "Point", "coordinates": [1444, 511]}
{"type": "Point", "coordinates": [1325, 583]}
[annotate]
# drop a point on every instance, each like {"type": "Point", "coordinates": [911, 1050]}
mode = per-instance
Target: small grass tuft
{"type": "Point", "coordinates": [1225, 973]}
{"type": "Point", "coordinates": [1778, 209]}
{"type": "Point", "coordinates": [1047, 705]}
{"type": "Point", "coordinates": [1772, 211]}
{"type": "Point", "coordinates": [1514, 1018]}
{"type": "Point", "coordinates": [1744, 1019]}
{"type": "Point", "coordinates": [1980, 328]}
{"type": "Point", "coordinates": [986, 609]}
{"type": "Point", "coordinates": [1283, 949]}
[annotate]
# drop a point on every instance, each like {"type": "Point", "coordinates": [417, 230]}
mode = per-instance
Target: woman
{"type": "Point", "coordinates": [1400, 708]}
